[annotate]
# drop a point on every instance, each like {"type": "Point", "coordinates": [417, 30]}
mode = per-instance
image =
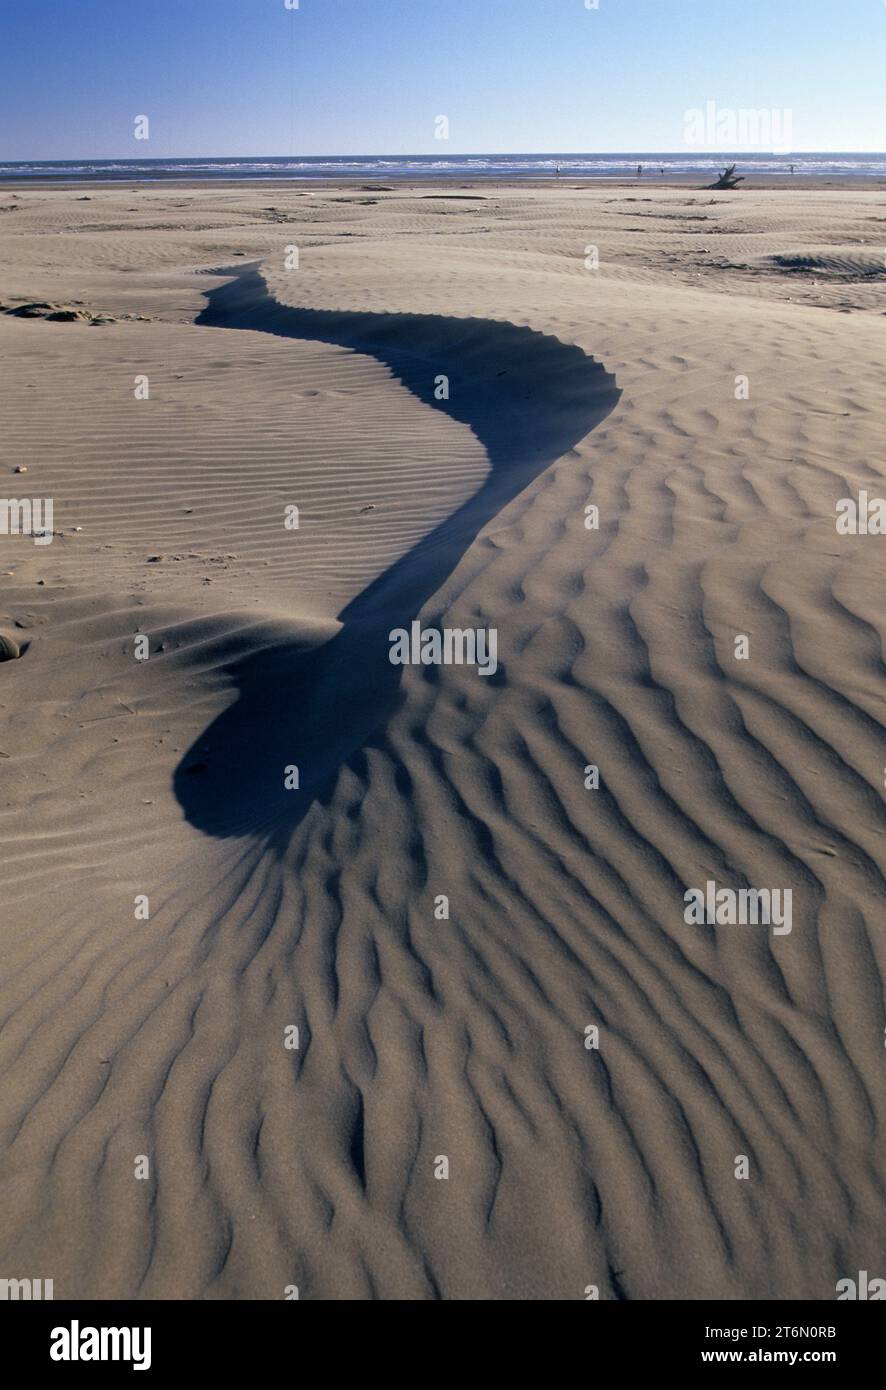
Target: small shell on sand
{"type": "Point", "coordinates": [9, 648]}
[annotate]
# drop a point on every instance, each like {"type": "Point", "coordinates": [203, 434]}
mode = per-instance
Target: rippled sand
{"type": "Point", "coordinates": [713, 388]}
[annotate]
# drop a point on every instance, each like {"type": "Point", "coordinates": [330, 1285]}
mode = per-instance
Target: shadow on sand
{"type": "Point", "coordinates": [528, 398]}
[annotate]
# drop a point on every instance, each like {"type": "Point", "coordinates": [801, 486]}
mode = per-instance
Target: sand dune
{"type": "Point", "coordinates": [422, 1037]}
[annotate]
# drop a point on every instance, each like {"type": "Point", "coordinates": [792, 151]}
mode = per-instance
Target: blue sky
{"type": "Point", "coordinates": [228, 77]}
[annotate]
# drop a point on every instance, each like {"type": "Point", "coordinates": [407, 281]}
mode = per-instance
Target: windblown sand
{"type": "Point", "coordinates": [152, 1037]}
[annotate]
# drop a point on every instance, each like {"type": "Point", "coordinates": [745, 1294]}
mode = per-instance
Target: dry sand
{"type": "Point", "coordinates": [423, 1038]}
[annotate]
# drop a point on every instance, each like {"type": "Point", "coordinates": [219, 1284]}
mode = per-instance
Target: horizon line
{"type": "Point", "coordinates": [460, 154]}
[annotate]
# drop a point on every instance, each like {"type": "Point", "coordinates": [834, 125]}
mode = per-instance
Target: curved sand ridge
{"type": "Point", "coordinates": [528, 398]}
{"type": "Point", "coordinates": [465, 1038]}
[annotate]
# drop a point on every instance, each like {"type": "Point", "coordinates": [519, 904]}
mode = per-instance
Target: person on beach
{"type": "Point", "coordinates": [639, 171]}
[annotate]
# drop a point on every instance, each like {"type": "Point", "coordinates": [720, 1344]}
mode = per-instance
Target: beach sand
{"type": "Point", "coordinates": [705, 369]}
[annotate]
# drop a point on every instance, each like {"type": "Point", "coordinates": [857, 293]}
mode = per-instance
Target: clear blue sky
{"type": "Point", "coordinates": [227, 77]}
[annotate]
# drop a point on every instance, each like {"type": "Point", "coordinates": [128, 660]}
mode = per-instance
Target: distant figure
{"type": "Point", "coordinates": [792, 168]}
{"type": "Point", "coordinates": [639, 171]}
{"type": "Point", "coordinates": [558, 171]}
{"type": "Point", "coordinates": [661, 171]}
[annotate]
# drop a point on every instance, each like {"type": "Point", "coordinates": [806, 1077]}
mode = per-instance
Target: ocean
{"type": "Point", "coordinates": [467, 166]}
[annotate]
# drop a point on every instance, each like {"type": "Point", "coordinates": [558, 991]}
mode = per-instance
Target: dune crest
{"type": "Point", "coordinates": [528, 398]}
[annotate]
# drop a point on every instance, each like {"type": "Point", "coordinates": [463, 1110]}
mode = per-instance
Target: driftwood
{"type": "Point", "coordinates": [728, 179]}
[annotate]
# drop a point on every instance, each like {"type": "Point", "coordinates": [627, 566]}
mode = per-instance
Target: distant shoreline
{"type": "Point", "coordinates": [759, 182]}
{"type": "Point", "coordinates": [687, 164]}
